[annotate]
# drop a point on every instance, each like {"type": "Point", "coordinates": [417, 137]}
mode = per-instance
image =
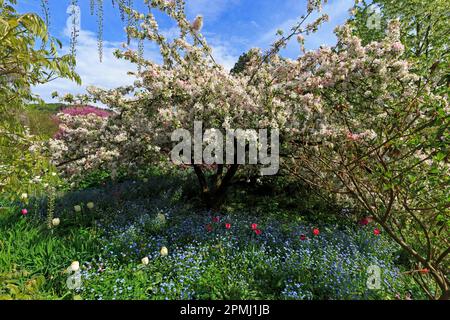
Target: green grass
{"type": "Point", "coordinates": [33, 258]}
{"type": "Point", "coordinates": [39, 118]}
{"type": "Point", "coordinates": [53, 108]}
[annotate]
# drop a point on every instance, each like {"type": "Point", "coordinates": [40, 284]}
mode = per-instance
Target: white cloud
{"type": "Point", "coordinates": [110, 73]}
{"type": "Point", "coordinates": [224, 51]}
{"type": "Point", "coordinates": [171, 33]}
{"type": "Point", "coordinates": [223, 56]}
{"type": "Point", "coordinates": [254, 23]}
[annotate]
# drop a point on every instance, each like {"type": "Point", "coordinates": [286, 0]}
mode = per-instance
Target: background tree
{"type": "Point", "coordinates": [424, 32]}
{"type": "Point", "coordinates": [424, 226]}
{"type": "Point", "coordinates": [28, 56]}
{"type": "Point", "coordinates": [243, 60]}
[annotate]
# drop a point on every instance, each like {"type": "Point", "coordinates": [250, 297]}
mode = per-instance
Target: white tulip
{"type": "Point", "coordinates": [161, 218]}
{"type": "Point", "coordinates": [90, 205]}
{"type": "Point", "coordinates": [55, 222]}
{"type": "Point", "coordinates": [77, 208]}
{"type": "Point", "coordinates": [164, 251]}
{"type": "Point", "coordinates": [75, 266]}
{"type": "Point", "coordinates": [145, 261]}
{"type": "Point", "coordinates": [24, 196]}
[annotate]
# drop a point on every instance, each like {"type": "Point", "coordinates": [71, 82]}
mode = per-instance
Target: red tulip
{"type": "Point", "coordinates": [24, 212]}
{"type": "Point", "coordinates": [254, 226]}
{"type": "Point", "coordinates": [364, 222]}
{"type": "Point", "coordinates": [302, 237]}
{"type": "Point", "coordinates": [216, 219]}
{"type": "Point", "coordinates": [258, 232]}
{"type": "Point", "coordinates": [376, 232]}
{"type": "Point", "coordinates": [227, 225]}
{"type": "Point", "coordinates": [316, 232]}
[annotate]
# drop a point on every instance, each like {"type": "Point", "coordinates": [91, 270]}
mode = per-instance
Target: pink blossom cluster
{"type": "Point", "coordinates": [85, 110]}
{"type": "Point", "coordinates": [77, 110]}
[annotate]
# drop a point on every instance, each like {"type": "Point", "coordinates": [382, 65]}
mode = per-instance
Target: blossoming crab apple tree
{"type": "Point", "coordinates": [187, 86]}
{"type": "Point", "coordinates": [380, 141]}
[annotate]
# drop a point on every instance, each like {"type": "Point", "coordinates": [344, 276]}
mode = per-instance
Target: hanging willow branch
{"type": "Point", "coordinates": [75, 32]}
{"type": "Point", "coordinates": [130, 19]}
{"type": "Point", "coordinates": [140, 53]}
{"type": "Point", "coordinates": [45, 12]}
{"type": "Point", "coordinates": [46, 16]}
{"type": "Point", "coordinates": [100, 14]}
{"type": "Point", "coordinates": [122, 9]}
{"type": "Point", "coordinates": [92, 7]}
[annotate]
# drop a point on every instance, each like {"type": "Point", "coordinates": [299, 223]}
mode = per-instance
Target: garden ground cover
{"type": "Point", "coordinates": [238, 253]}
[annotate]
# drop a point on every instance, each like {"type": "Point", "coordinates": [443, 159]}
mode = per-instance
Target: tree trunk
{"type": "Point", "coordinates": [445, 295]}
{"type": "Point", "coordinates": [213, 193]}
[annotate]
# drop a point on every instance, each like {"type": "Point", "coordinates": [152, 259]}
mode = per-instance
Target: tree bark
{"type": "Point", "coordinates": [445, 295]}
{"type": "Point", "coordinates": [213, 193]}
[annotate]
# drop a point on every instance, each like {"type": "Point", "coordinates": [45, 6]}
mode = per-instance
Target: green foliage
{"type": "Point", "coordinates": [33, 258]}
{"type": "Point", "coordinates": [424, 32]}
{"type": "Point", "coordinates": [241, 63]}
{"type": "Point", "coordinates": [49, 108]}
{"type": "Point", "coordinates": [21, 64]}
{"type": "Point", "coordinates": [154, 224]}
{"type": "Point", "coordinates": [266, 196]}
{"type": "Point", "coordinates": [20, 285]}
{"type": "Point", "coordinates": [415, 208]}
{"type": "Point", "coordinates": [94, 179]}
{"type": "Point", "coordinates": [28, 57]}
{"type": "Point", "coordinates": [40, 119]}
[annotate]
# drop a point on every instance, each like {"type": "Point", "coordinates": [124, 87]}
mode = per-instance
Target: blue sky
{"type": "Point", "coordinates": [230, 26]}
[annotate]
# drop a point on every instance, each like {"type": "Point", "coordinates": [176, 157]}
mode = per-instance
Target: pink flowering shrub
{"type": "Point", "coordinates": [85, 110]}
{"type": "Point", "coordinates": [78, 110]}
